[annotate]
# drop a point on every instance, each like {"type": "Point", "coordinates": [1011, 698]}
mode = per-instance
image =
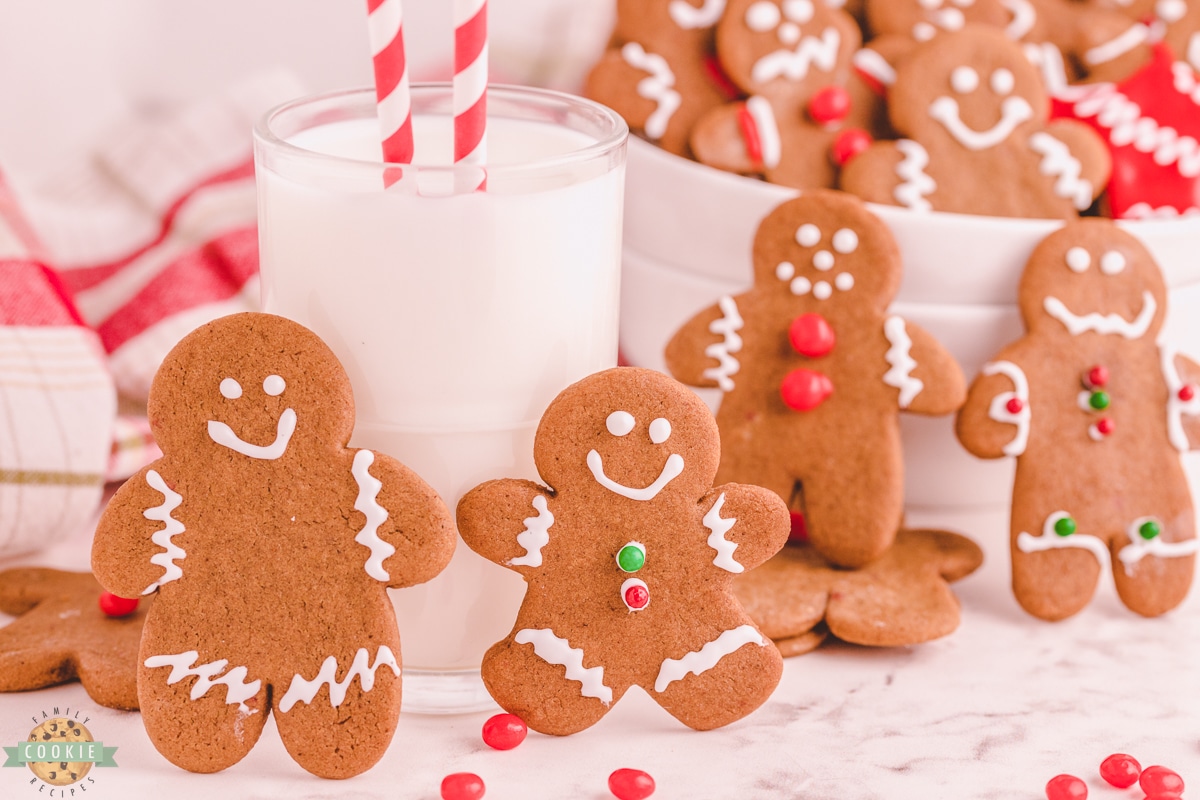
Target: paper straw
{"type": "Point", "coordinates": [470, 81]}
{"type": "Point", "coordinates": [393, 97]}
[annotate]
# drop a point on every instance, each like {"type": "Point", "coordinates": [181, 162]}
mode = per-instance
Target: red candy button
{"type": "Point", "coordinates": [799, 528]}
{"type": "Point", "coordinates": [1015, 405]}
{"type": "Point", "coordinates": [811, 335]}
{"type": "Point", "coordinates": [1161, 781]}
{"type": "Point", "coordinates": [504, 731]}
{"type": "Point", "coordinates": [848, 144]}
{"type": "Point", "coordinates": [1066, 787]}
{"type": "Point", "coordinates": [1120, 770]}
{"type": "Point", "coordinates": [829, 106]}
{"type": "Point", "coordinates": [804, 389]}
{"type": "Point", "coordinates": [1186, 393]}
{"type": "Point", "coordinates": [637, 596]}
{"type": "Point", "coordinates": [630, 784]}
{"type": "Point", "coordinates": [1096, 377]}
{"type": "Point", "coordinates": [462, 786]}
{"type": "Point", "coordinates": [1106, 426]}
{"type": "Point", "coordinates": [115, 606]}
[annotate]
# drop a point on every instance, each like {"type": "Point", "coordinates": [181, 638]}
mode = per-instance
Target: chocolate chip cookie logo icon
{"type": "Point", "coordinates": [60, 751]}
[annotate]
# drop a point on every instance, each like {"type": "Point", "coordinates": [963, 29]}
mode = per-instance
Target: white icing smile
{"type": "Point", "coordinates": [223, 435]}
{"type": "Point", "coordinates": [794, 64]}
{"type": "Point", "coordinates": [670, 472]}
{"type": "Point", "coordinates": [1013, 111]}
{"type": "Point", "coordinates": [1104, 323]}
{"type": "Point", "coordinates": [689, 17]}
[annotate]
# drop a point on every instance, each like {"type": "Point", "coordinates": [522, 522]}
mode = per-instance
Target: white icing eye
{"type": "Point", "coordinates": [1170, 11]}
{"type": "Point", "coordinates": [660, 430]}
{"type": "Point", "coordinates": [845, 281]}
{"type": "Point", "coordinates": [823, 260]}
{"type": "Point", "coordinates": [929, 5]}
{"type": "Point", "coordinates": [619, 423]}
{"type": "Point", "coordinates": [923, 31]}
{"type": "Point", "coordinates": [845, 241]}
{"type": "Point", "coordinates": [952, 19]}
{"type": "Point", "coordinates": [1078, 259]}
{"type": "Point", "coordinates": [964, 80]}
{"type": "Point", "coordinates": [274, 385]}
{"type": "Point", "coordinates": [785, 271]}
{"type": "Point", "coordinates": [822, 290]}
{"type": "Point", "coordinates": [808, 235]}
{"type": "Point", "coordinates": [789, 33]}
{"type": "Point", "coordinates": [762, 16]}
{"type": "Point", "coordinates": [1112, 262]}
{"type": "Point", "coordinates": [800, 11]}
{"type": "Point", "coordinates": [231, 389]}
{"type": "Point", "coordinates": [1003, 82]}
{"type": "Point", "coordinates": [801, 286]}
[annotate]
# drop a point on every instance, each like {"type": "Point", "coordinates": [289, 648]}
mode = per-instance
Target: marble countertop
{"type": "Point", "coordinates": [993, 711]}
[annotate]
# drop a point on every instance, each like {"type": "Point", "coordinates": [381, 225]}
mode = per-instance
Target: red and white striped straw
{"type": "Point", "coordinates": [470, 81]}
{"type": "Point", "coordinates": [393, 97]}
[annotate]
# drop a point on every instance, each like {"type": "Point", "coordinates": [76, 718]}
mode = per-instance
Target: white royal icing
{"type": "Point", "coordinates": [619, 423]}
{"type": "Point", "coordinates": [367, 502]}
{"type": "Point", "coordinates": [716, 540]}
{"type": "Point", "coordinates": [1176, 407]}
{"type": "Point", "coordinates": [535, 536]}
{"type": "Point", "coordinates": [1103, 323]}
{"type": "Point", "coordinates": [873, 65]}
{"type": "Point", "coordinates": [794, 65]}
{"type": "Point", "coordinates": [555, 650]}
{"type": "Point", "coordinates": [915, 184]}
{"type": "Point", "coordinates": [899, 357]}
{"type": "Point", "coordinates": [1024, 17]}
{"type": "Point", "coordinates": [1138, 548]}
{"type": "Point", "coordinates": [236, 689]}
{"type": "Point", "coordinates": [1118, 46]}
{"type": "Point", "coordinates": [1186, 82]}
{"type": "Point", "coordinates": [1058, 163]}
{"type": "Point", "coordinates": [726, 327]}
{"type": "Point", "coordinates": [660, 430]}
{"type": "Point", "coordinates": [303, 691]}
{"type": "Point", "coordinates": [230, 389]}
{"type": "Point", "coordinates": [706, 657]}
{"type": "Point", "coordinates": [1126, 126]}
{"type": "Point", "coordinates": [1013, 111]}
{"type": "Point", "coordinates": [1144, 210]}
{"type": "Point", "coordinates": [670, 471]}
{"type": "Point", "coordinates": [769, 141]}
{"type": "Point", "coordinates": [1049, 540]}
{"type": "Point", "coordinates": [689, 17]}
{"type": "Point", "coordinates": [162, 538]}
{"type": "Point", "coordinates": [629, 584]}
{"type": "Point", "coordinates": [274, 385]}
{"type": "Point", "coordinates": [223, 435]}
{"type": "Point", "coordinates": [658, 87]}
{"type": "Point", "coordinates": [998, 410]}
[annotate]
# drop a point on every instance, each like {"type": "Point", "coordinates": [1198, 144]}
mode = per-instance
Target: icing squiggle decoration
{"type": "Point", "coordinates": [716, 540]}
{"type": "Point", "coordinates": [915, 183]}
{"type": "Point", "coordinates": [1185, 71]}
{"type": "Point", "coordinates": [794, 64]}
{"type": "Point", "coordinates": [1138, 548]}
{"type": "Point", "coordinates": [1024, 17]}
{"type": "Point", "coordinates": [689, 17]}
{"type": "Point", "coordinates": [670, 471]}
{"type": "Point", "coordinates": [769, 141]}
{"type": "Point", "coordinates": [900, 358]}
{"type": "Point", "coordinates": [873, 65]}
{"type": "Point", "coordinates": [223, 435]}
{"type": "Point", "coordinates": [1123, 117]}
{"type": "Point", "coordinates": [1058, 163]}
{"type": "Point", "coordinates": [1049, 540]}
{"type": "Point", "coordinates": [558, 651]}
{"type": "Point", "coordinates": [1104, 323]}
{"type": "Point", "coordinates": [658, 87]}
{"type": "Point", "coordinates": [236, 689]}
{"type": "Point", "coordinates": [1144, 210]}
{"type": "Point", "coordinates": [1013, 111]}
{"type": "Point", "coordinates": [303, 691]}
{"type": "Point", "coordinates": [1118, 46]}
{"type": "Point", "coordinates": [1176, 407]}
{"type": "Point", "coordinates": [704, 659]}
{"type": "Point", "coordinates": [368, 503]}
{"type": "Point", "coordinates": [998, 410]}
{"type": "Point", "coordinates": [727, 328]}
{"type": "Point", "coordinates": [535, 536]}
{"type": "Point", "coordinates": [162, 538]}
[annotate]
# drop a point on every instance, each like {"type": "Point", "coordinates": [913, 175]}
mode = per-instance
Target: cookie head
{"type": "Point", "coordinates": [922, 20]}
{"type": "Point", "coordinates": [644, 20]}
{"type": "Point", "coordinates": [971, 90]}
{"type": "Point", "coordinates": [628, 433]}
{"type": "Point", "coordinates": [250, 388]}
{"type": "Point", "coordinates": [1091, 277]}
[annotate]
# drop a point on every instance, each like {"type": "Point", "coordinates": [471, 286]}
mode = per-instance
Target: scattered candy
{"type": "Point", "coordinates": [1066, 787]}
{"type": "Point", "coordinates": [811, 335]}
{"type": "Point", "coordinates": [804, 389]}
{"type": "Point", "coordinates": [115, 606]}
{"type": "Point", "coordinates": [462, 786]}
{"type": "Point", "coordinates": [848, 144]}
{"type": "Point", "coordinates": [632, 557]}
{"type": "Point", "coordinates": [1120, 770]}
{"type": "Point", "coordinates": [829, 105]}
{"type": "Point", "coordinates": [1158, 780]}
{"type": "Point", "coordinates": [1015, 405]}
{"type": "Point", "coordinates": [1065, 526]}
{"type": "Point", "coordinates": [630, 784]}
{"type": "Point", "coordinates": [504, 731]}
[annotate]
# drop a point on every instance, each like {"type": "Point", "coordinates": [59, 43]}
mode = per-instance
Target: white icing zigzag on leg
{"type": "Point", "coordinates": [558, 651]}
{"type": "Point", "coordinates": [303, 691]}
{"type": "Point", "coordinates": [234, 681]}
{"type": "Point", "coordinates": [704, 659]}
{"type": "Point", "coordinates": [368, 503]}
{"type": "Point", "coordinates": [162, 538]}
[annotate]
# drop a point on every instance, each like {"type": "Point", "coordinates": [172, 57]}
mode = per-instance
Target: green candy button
{"type": "Point", "coordinates": [1099, 400]}
{"type": "Point", "coordinates": [1065, 526]}
{"type": "Point", "coordinates": [1149, 529]}
{"type": "Point", "coordinates": [632, 557]}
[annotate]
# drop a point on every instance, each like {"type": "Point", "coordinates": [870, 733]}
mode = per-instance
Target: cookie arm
{"type": "Point", "coordinates": [994, 421]}
{"type": "Point", "coordinates": [717, 140]}
{"type": "Point", "coordinates": [943, 387]}
{"type": "Point", "coordinates": [745, 524]}
{"type": "Point", "coordinates": [704, 351]}
{"type": "Point", "coordinates": [139, 524]}
{"type": "Point", "coordinates": [21, 589]}
{"type": "Point", "coordinates": [1087, 159]}
{"type": "Point", "coordinates": [890, 173]}
{"type": "Point", "coordinates": [1188, 373]}
{"type": "Point", "coordinates": [508, 522]}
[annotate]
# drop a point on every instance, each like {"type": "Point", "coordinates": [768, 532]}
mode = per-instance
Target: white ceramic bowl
{"type": "Point", "coordinates": [688, 236]}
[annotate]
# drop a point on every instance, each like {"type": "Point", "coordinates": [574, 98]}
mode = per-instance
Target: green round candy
{"type": "Point", "coordinates": [632, 557]}
{"type": "Point", "coordinates": [1065, 526]}
{"type": "Point", "coordinates": [1099, 400]}
{"type": "Point", "coordinates": [1149, 529]}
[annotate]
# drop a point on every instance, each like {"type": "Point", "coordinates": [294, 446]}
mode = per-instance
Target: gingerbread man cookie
{"type": "Point", "coordinates": [630, 557]}
{"type": "Point", "coordinates": [1177, 22]}
{"type": "Point", "coordinates": [270, 546]}
{"type": "Point", "coordinates": [1096, 412]}
{"type": "Point", "coordinates": [815, 371]}
{"type": "Point", "coordinates": [974, 111]}
{"type": "Point", "coordinates": [62, 634]}
{"type": "Point", "coordinates": [660, 74]}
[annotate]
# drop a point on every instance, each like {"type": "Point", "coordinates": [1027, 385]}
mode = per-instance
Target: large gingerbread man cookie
{"type": "Point", "coordinates": [270, 545]}
{"type": "Point", "coordinates": [1096, 411]}
{"type": "Point", "coordinates": [974, 112]}
{"type": "Point", "coordinates": [816, 370]}
{"type": "Point", "coordinates": [630, 556]}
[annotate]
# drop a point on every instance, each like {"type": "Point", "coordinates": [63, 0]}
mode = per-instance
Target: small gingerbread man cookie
{"type": "Point", "coordinates": [270, 546]}
{"type": "Point", "coordinates": [630, 557]}
{"type": "Point", "coordinates": [1096, 411]}
{"type": "Point", "coordinates": [974, 111]}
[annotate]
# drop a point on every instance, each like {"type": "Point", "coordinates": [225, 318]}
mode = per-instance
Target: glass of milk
{"type": "Point", "coordinates": [459, 314]}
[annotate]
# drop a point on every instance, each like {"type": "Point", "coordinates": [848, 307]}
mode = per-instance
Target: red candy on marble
{"type": "Point", "coordinates": [462, 786]}
{"type": "Point", "coordinates": [115, 606]}
{"type": "Point", "coordinates": [848, 144]}
{"type": "Point", "coordinates": [811, 335]}
{"type": "Point", "coordinates": [504, 731]}
{"type": "Point", "coordinates": [1159, 780]}
{"type": "Point", "coordinates": [1066, 787]}
{"type": "Point", "coordinates": [804, 389]}
{"type": "Point", "coordinates": [829, 105]}
{"type": "Point", "coordinates": [630, 784]}
{"type": "Point", "coordinates": [1120, 770]}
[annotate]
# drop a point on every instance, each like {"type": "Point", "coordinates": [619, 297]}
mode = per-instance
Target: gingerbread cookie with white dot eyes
{"type": "Point", "coordinates": [630, 555]}
{"type": "Point", "coordinates": [269, 546]}
{"type": "Point", "coordinates": [974, 112]}
{"type": "Point", "coordinates": [815, 371]}
{"type": "Point", "coordinates": [1096, 410]}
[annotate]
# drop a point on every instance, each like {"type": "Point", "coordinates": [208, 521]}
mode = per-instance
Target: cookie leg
{"type": "Point", "coordinates": [538, 676]}
{"type": "Point", "coordinates": [1153, 563]}
{"type": "Point", "coordinates": [853, 518]}
{"type": "Point", "coordinates": [1054, 572]}
{"type": "Point", "coordinates": [720, 682]}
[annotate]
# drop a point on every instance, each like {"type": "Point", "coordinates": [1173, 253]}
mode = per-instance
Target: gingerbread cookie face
{"type": "Point", "coordinates": [922, 20]}
{"type": "Point", "coordinates": [789, 43]}
{"type": "Point", "coordinates": [630, 555]}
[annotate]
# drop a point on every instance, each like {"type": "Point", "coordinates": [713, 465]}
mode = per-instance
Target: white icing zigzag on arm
{"type": "Point", "coordinates": [999, 411]}
{"type": "Point", "coordinates": [535, 536]}
{"type": "Point", "coordinates": [1058, 163]}
{"type": "Point", "coordinates": [303, 691]}
{"type": "Point", "coordinates": [367, 502]}
{"type": "Point", "coordinates": [902, 364]}
{"type": "Point", "coordinates": [1126, 125]}
{"type": "Point", "coordinates": [726, 327]}
{"type": "Point", "coordinates": [716, 540]}
{"type": "Point", "coordinates": [556, 650]}
{"type": "Point", "coordinates": [658, 87]}
{"type": "Point", "coordinates": [915, 184]}
{"type": "Point", "coordinates": [704, 659]}
{"type": "Point", "coordinates": [162, 538]}
{"type": "Point", "coordinates": [1176, 407]}
{"type": "Point", "coordinates": [234, 681]}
